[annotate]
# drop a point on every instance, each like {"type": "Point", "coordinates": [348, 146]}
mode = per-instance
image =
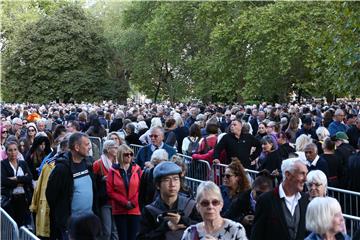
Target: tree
{"type": "Point", "coordinates": [63, 55]}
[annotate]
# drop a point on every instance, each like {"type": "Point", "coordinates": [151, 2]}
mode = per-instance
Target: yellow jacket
{"type": "Point", "coordinates": [39, 204]}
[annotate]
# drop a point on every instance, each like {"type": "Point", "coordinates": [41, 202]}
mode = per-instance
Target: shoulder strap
{"type": "Point", "coordinates": [187, 204]}
{"type": "Point", "coordinates": [194, 233]}
{"type": "Point", "coordinates": [101, 168]}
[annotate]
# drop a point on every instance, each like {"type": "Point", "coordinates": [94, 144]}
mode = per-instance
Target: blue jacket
{"type": "Point", "coordinates": [314, 236]}
{"type": "Point", "coordinates": [144, 154]}
{"type": "Point", "coordinates": [335, 127]}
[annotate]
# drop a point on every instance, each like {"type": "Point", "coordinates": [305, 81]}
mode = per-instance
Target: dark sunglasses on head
{"type": "Point", "coordinates": [153, 136]}
{"type": "Point", "coordinates": [206, 203]}
{"type": "Point", "coordinates": [128, 154]}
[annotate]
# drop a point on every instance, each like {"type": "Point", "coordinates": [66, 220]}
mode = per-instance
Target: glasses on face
{"type": "Point", "coordinates": [228, 175]}
{"type": "Point", "coordinates": [314, 183]}
{"type": "Point", "coordinates": [31, 130]}
{"type": "Point", "coordinates": [153, 136]}
{"type": "Point", "coordinates": [128, 154]}
{"type": "Point", "coordinates": [206, 203]}
{"type": "Point", "coordinates": [309, 152]}
{"type": "Point", "coordinates": [4, 131]}
{"type": "Point", "coordinates": [168, 179]}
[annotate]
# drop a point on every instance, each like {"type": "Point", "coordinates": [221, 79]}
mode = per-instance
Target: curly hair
{"type": "Point", "coordinates": [237, 168]}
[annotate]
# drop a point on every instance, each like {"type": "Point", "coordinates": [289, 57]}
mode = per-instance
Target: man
{"type": "Point", "coordinates": [220, 119]}
{"type": "Point", "coordinates": [239, 145]}
{"type": "Point", "coordinates": [16, 128]}
{"type": "Point", "coordinates": [191, 120]}
{"type": "Point", "coordinates": [72, 126]}
{"type": "Point", "coordinates": [314, 162]}
{"type": "Point", "coordinates": [170, 214]}
{"type": "Point", "coordinates": [41, 125]}
{"type": "Point", "coordinates": [157, 137]}
{"type": "Point", "coordinates": [307, 129]}
{"type": "Point", "coordinates": [280, 214]}
{"type": "Point", "coordinates": [354, 133]}
{"type": "Point", "coordinates": [71, 188]}
{"type": "Point", "coordinates": [353, 171]}
{"type": "Point", "coordinates": [337, 125]}
{"type": "Point", "coordinates": [257, 118]}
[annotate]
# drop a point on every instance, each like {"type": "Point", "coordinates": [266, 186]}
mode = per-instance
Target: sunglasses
{"type": "Point", "coordinates": [4, 132]}
{"type": "Point", "coordinates": [206, 203]}
{"type": "Point", "coordinates": [153, 136]}
{"type": "Point", "coordinates": [31, 130]}
{"type": "Point", "coordinates": [228, 175]}
{"type": "Point", "coordinates": [128, 154]}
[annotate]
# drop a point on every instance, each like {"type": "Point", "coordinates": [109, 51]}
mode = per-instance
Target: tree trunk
{"type": "Point", "coordinates": [157, 92]}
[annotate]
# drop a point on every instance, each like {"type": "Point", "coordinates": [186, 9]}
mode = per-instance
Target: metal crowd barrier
{"type": "Point", "coordinates": [135, 148]}
{"type": "Point", "coordinates": [9, 229]}
{"type": "Point", "coordinates": [26, 234]}
{"type": "Point", "coordinates": [97, 141]}
{"type": "Point", "coordinates": [198, 169]}
{"type": "Point", "coordinates": [349, 200]}
{"type": "Point", "coordinates": [219, 171]}
{"type": "Point", "coordinates": [352, 224]}
{"type": "Point", "coordinates": [193, 184]}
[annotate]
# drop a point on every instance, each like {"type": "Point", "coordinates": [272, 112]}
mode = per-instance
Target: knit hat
{"type": "Point", "coordinates": [341, 136]}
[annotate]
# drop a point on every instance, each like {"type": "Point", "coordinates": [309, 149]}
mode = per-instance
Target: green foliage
{"type": "Point", "coordinates": [64, 56]}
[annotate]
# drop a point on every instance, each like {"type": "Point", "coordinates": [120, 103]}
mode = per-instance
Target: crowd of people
{"type": "Point", "coordinates": [59, 183]}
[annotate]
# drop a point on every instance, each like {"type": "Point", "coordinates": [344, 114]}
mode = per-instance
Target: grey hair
{"type": "Point", "coordinates": [156, 122]}
{"type": "Point", "coordinates": [157, 128]}
{"type": "Point", "coordinates": [302, 141]}
{"type": "Point", "coordinates": [158, 156]}
{"type": "Point", "coordinates": [317, 176]}
{"type": "Point", "coordinates": [206, 187]}
{"type": "Point", "coordinates": [338, 112]}
{"type": "Point", "coordinates": [109, 144]}
{"type": "Point", "coordinates": [312, 146]}
{"type": "Point", "coordinates": [320, 214]}
{"type": "Point", "coordinates": [322, 133]}
{"type": "Point", "coordinates": [75, 138]}
{"type": "Point", "coordinates": [288, 165]}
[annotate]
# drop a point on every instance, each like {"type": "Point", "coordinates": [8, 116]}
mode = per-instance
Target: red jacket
{"type": "Point", "coordinates": [117, 193]}
{"type": "Point", "coordinates": [97, 166]}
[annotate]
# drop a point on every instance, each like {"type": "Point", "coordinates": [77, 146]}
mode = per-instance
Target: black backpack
{"type": "Point", "coordinates": [193, 146]}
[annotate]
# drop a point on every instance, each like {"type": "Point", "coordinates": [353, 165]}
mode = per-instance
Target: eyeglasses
{"type": "Point", "coordinates": [153, 136]}
{"type": "Point", "coordinates": [128, 154]}
{"type": "Point", "coordinates": [4, 132]}
{"type": "Point", "coordinates": [18, 124]}
{"type": "Point", "coordinates": [228, 175]}
{"type": "Point", "coordinates": [31, 130]}
{"type": "Point", "coordinates": [206, 203]}
{"type": "Point", "coordinates": [306, 152]}
{"type": "Point", "coordinates": [313, 183]}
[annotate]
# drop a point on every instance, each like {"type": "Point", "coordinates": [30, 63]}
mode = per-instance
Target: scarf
{"type": "Point", "coordinates": [106, 161]}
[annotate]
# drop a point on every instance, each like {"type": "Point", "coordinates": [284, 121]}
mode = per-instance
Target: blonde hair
{"type": "Point", "coordinates": [120, 154]}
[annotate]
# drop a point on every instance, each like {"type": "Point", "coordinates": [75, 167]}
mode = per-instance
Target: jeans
{"type": "Point", "coordinates": [108, 224]}
{"type": "Point", "coordinates": [127, 226]}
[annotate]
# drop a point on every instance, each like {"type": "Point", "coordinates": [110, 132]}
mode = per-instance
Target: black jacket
{"type": "Point", "coordinates": [239, 148]}
{"type": "Point", "coordinates": [59, 193]}
{"type": "Point", "coordinates": [270, 223]}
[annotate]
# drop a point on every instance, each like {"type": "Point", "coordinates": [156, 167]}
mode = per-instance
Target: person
{"type": "Point", "coordinates": [71, 188]}
{"type": "Point", "coordinates": [16, 187]}
{"type": "Point", "coordinates": [354, 133]}
{"type": "Point", "coordinates": [115, 137]}
{"type": "Point", "coordinates": [181, 132]}
{"type": "Point", "coordinates": [256, 120]}
{"type": "Point", "coordinates": [316, 183]}
{"type": "Point", "coordinates": [261, 132]}
{"type": "Point", "coordinates": [147, 190]}
{"type": "Point", "coordinates": [131, 136]}
{"type": "Point", "coordinates": [314, 162]}
{"type": "Point", "coordinates": [242, 209]}
{"type": "Point", "coordinates": [96, 129]}
{"type": "Point", "coordinates": [3, 139]}
{"type": "Point", "coordinates": [293, 128]}
{"type": "Point", "coordinates": [300, 144]}
{"type": "Point", "coordinates": [122, 186]}
{"type": "Point", "coordinates": [157, 137]}
{"type": "Point", "coordinates": [321, 133]}
{"type": "Point", "coordinates": [209, 203]}
{"type": "Point", "coordinates": [84, 227]}
{"type": "Point", "coordinates": [190, 144]}
{"type": "Point", "coordinates": [325, 220]}
{"type": "Point", "coordinates": [169, 135]}
{"type": "Point", "coordinates": [270, 158]}
{"type": "Point", "coordinates": [38, 151]}
{"type": "Point", "coordinates": [16, 128]}
{"type": "Point", "coordinates": [192, 118]}
{"type": "Point", "coordinates": [235, 182]}
{"type": "Point", "coordinates": [238, 145]}
{"type": "Point", "coordinates": [101, 169]}
{"type": "Point", "coordinates": [337, 125]}
{"type": "Point", "coordinates": [307, 129]}
{"type": "Point", "coordinates": [281, 212]}
{"type": "Point", "coordinates": [170, 213]}
{"type": "Point", "coordinates": [208, 142]}
{"type": "Point", "coordinates": [353, 180]}
{"type": "Point", "coordinates": [336, 171]}
{"type": "Point", "coordinates": [285, 149]}
{"type": "Point", "coordinates": [29, 137]}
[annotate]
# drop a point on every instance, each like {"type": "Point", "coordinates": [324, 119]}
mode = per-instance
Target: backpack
{"type": "Point", "coordinates": [193, 146]}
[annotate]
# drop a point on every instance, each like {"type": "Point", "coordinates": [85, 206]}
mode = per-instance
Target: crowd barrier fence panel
{"type": "Point", "coordinates": [352, 224]}
{"type": "Point", "coordinates": [198, 169]}
{"type": "Point", "coordinates": [9, 229]}
{"type": "Point", "coordinates": [349, 200]}
{"type": "Point", "coordinates": [26, 234]}
{"type": "Point", "coordinates": [193, 183]}
{"type": "Point", "coordinates": [96, 143]}
{"type": "Point", "coordinates": [135, 148]}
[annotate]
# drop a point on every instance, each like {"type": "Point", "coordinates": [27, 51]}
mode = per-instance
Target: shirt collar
{"type": "Point", "coordinates": [315, 161]}
{"type": "Point", "coordinates": [283, 195]}
{"type": "Point", "coordinates": [153, 147]}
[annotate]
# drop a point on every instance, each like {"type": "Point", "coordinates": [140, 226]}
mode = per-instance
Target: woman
{"type": "Point", "coordinates": [96, 129]}
{"type": "Point", "coordinates": [261, 131]}
{"type": "Point", "coordinates": [324, 219]}
{"type": "Point", "coordinates": [38, 151]}
{"type": "Point", "coordinates": [285, 149]}
{"type": "Point", "coordinates": [4, 136]}
{"type": "Point", "coordinates": [207, 143]}
{"type": "Point", "coordinates": [180, 131]}
{"type": "Point", "coordinates": [122, 186]}
{"type": "Point", "coordinates": [293, 128]}
{"type": "Point", "coordinates": [300, 144]}
{"type": "Point", "coordinates": [101, 169]}
{"type": "Point", "coordinates": [29, 138]}
{"type": "Point", "coordinates": [242, 209]}
{"type": "Point", "coordinates": [335, 167]}
{"type": "Point", "coordinates": [209, 203]}
{"type": "Point", "coordinates": [270, 158]}
{"type": "Point", "coordinates": [316, 183]}
{"type": "Point", "coordinates": [115, 137]}
{"type": "Point", "coordinates": [169, 135]}
{"type": "Point", "coordinates": [190, 144]}
{"type": "Point", "coordinates": [235, 181]}
{"type": "Point", "coordinates": [131, 136]}
{"type": "Point", "coordinates": [321, 133]}
{"type": "Point", "coordinates": [16, 187]}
